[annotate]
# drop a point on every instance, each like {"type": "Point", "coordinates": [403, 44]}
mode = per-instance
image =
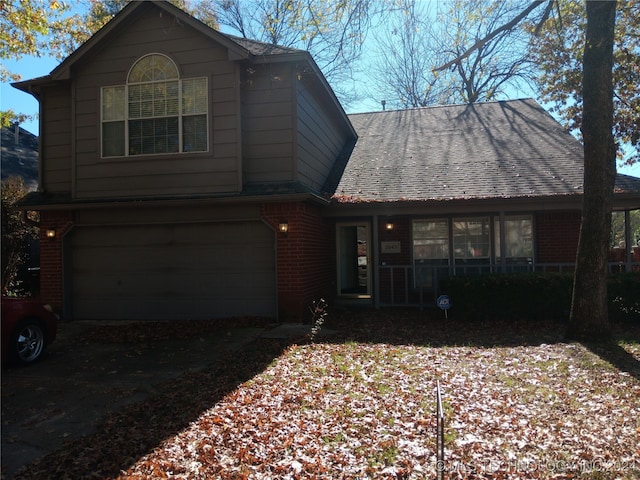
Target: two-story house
{"type": "Point", "coordinates": [185, 173]}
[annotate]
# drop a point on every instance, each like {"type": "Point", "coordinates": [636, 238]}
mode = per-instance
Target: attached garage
{"type": "Point", "coordinates": [171, 271]}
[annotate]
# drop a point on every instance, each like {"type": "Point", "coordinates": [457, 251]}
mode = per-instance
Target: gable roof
{"type": "Point", "coordinates": [487, 150]}
{"type": "Point", "coordinates": [238, 49]}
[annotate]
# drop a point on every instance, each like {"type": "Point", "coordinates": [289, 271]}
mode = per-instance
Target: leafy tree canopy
{"type": "Point", "coordinates": [558, 50]}
{"type": "Point", "coordinates": [16, 235]}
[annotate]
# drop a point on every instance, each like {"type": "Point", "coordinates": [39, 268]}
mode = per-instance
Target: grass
{"type": "Point", "coordinates": [519, 402]}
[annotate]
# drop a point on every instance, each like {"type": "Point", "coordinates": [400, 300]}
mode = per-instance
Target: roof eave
{"type": "Point", "coordinates": [33, 85]}
{"type": "Point", "coordinates": [89, 204]}
{"type": "Point", "coordinates": [454, 206]}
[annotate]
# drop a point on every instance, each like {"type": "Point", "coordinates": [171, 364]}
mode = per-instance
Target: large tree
{"type": "Point", "coordinates": [589, 318]}
{"type": "Point", "coordinates": [558, 49]}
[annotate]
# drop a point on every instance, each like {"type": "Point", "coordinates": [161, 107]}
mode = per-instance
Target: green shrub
{"type": "Point", "coordinates": [624, 297]}
{"type": "Point", "coordinates": [533, 296]}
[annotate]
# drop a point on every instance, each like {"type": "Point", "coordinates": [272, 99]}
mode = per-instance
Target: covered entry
{"type": "Point", "coordinates": [171, 271]}
{"type": "Point", "coordinates": [354, 259]}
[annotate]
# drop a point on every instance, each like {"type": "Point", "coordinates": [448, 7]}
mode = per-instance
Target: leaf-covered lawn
{"type": "Point", "coordinates": [518, 403]}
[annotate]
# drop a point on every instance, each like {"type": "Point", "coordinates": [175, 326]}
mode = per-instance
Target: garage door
{"type": "Point", "coordinates": [191, 271]}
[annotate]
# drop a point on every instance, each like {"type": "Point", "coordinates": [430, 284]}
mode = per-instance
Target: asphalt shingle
{"type": "Point", "coordinates": [487, 150]}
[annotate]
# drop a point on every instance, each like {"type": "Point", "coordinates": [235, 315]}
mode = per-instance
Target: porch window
{"type": "Point", "coordinates": [430, 251]}
{"type": "Point", "coordinates": [518, 240]}
{"type": "Point", "coordinates": [471, 244]}
{"type": "Point", "coordinates": [155, 112]}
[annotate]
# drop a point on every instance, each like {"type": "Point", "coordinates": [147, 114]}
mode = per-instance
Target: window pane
{"type": "Point", "coordinates": [471, 238]}
{"type": "Point", "coordinates": [146, 109]}
{"type": "Point", "coordinates": [194, 96]}
{"type": "Point", "coordinates": [158, 135]}
{"type": "Point", "coordinates": [431, 239]}
{"type": "Point", "coordinates": [194, 133]}
{"type": "Point", "coordinates": [113, 139]}
{"type": "Point", "coordinates": [153, 68]}
{"type": "Point", "coordinates": [430, 251]}
{"type": "Point", "coordinates": [135, 92]}
{"type": "Point", "coordinates": [150, 100]}
{"type": "Point", "coordinates": [159, 108]}
{"type": "Point", "coordinates": [113, 103]}
{"type": "Point", "coordinates": [518, 236]}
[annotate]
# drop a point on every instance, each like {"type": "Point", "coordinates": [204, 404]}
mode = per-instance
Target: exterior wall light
{"type": "Point", "coordinates": [50, 233]}
{"type": "Point", "coordinates": [283, 227]}
{"type": "Point", "coordinates": [388, 226]}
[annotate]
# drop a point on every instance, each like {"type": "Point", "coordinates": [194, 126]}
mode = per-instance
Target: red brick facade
{"type": "Point", "coordinates": [306, 254]}
{"type": "Point", "coordinates": [51, 262]}
{"type": "Point", "coordinates": [305, 259]}
{"type": "Point", "coordinates": [557, 236]}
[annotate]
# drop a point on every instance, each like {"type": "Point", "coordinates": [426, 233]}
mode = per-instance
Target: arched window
{"type": "Point", "coordinates": [155, 112]}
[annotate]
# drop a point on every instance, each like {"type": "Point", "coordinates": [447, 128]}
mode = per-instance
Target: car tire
{"type": "Point", "coordinates": [28, 342]}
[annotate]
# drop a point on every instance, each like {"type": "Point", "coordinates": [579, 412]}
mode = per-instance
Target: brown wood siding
{"type": "Point", "coordinates": [268, 133]}
{"type": "Point", "coordinates": [167, 214]}
{"type": "Point", "coordinates": [215, 171]}
{"type": "Point", "coordinates": [55, 140]}
{"type": "Point", "coordinates": [320, 142]}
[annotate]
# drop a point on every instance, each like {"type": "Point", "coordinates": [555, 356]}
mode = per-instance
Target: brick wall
{"type": "Point", "coordinates": [305, 259]}
{"type": "Point", "coordinates": [557, 236]}
{"type": "Point", "coordinates": [51, 263]}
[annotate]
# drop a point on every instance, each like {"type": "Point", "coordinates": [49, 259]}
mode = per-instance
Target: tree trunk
{"type": "Point", "coordinates": [589, 320]}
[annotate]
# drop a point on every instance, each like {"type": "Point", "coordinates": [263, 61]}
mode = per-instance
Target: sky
{"type": "Point", "coordinates": [32, 67]}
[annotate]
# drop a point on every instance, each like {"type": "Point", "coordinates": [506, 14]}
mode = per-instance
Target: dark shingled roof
{"type": "Point", "coordinates": [487, 150]}
{"type": "Point", "coordinates": [19, 155]}
{"type": "Point", "coordinates": [261, 48]}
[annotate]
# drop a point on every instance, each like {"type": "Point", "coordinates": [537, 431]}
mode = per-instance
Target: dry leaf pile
{"type": "Point", "coordinates": [366, 411]}
{"type": "Point", "coordinates": [357, 410]}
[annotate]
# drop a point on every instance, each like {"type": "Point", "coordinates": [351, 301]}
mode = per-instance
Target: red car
{"type": "Point", "coordinates": [28, 327]}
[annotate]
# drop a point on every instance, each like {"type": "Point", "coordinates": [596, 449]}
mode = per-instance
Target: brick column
{"type": "Point", "coordinates": [305, 259]}
{"type": "Point", "coordinates": [557, 236]}
{"type": "Point", "coordinates": [51, 256]}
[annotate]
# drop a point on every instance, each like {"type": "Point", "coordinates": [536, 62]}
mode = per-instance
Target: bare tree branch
{"type": "Point", "coordinates": [480, 43]}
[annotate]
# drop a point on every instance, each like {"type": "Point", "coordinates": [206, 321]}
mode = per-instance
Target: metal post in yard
{"type": "Point", "coordinates": [440, 465]}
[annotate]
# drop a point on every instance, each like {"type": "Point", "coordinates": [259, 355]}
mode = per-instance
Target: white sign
{"type": "Point", "coordinates": [390, 247]}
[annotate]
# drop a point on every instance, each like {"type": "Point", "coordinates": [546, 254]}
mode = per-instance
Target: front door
{"type": "Point", "coordinates": [354, 259]}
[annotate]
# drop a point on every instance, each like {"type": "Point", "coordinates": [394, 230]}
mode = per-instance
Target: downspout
{"type": "Point", "coordinates": [375, 263]}
{"type": "Point", "coordinates": [627, 240]}
{"type": "Point", "coordinates": [35, 93]}
{"type": "Point", "coordinates": [502, 235]}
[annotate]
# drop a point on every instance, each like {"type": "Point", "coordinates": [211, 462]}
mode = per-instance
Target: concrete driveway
{"type": "Point", "coordinates": [83, 377]}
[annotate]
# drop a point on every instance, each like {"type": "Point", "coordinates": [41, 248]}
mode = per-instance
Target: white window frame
{"type": "Point", "coordinates": [180, 116]}
{"type": "Point", "coordinates": [502, 244]}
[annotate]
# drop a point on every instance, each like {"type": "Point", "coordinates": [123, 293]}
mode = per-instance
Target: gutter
{"type": "Point", "coordinates": [185, 201]}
